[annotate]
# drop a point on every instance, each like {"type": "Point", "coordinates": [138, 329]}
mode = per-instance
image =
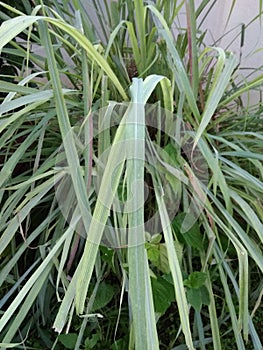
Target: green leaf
{"type": "Point", "coordinates": [195, 280]}
{"type": "Point", "coordinates": [90, 343]}
{"type": "Point", "coordinates": [153, 252]}
{"type": "Point", "coordinates": [194, 297]}
{"type": "Point", "coordinates": [9, 345]}
{"type": "Point", "coordinates": [175, 268]}
{"type": "Point", "coordinates": [140, 292]}
{"type": "Point", "coordinates": [224, 69]}
{"type": "Point", "coordinates": [156, 238]}
{"type": "Point", "coordinates": [104, 295]}
{"type": "Point", "coordinates": [162, 263]}
{"type": "Point", "coordinates": [157, 254]}
{"type": "Point", "coordinates": [205, 295]}
{"type": "Point", "coordinates": [192, 237]}
{"type": "Point", "coordinates": [172, 154]}
{"type": "Point", "coordinates": [163, 294]}
{"type": "Point", "coordinates": [179, 69]}
{"type": "Point", "coordinates": [12, 27]}
{"type": "Point", "coordinates": [68, 340]}
{"type": "Point", "coordinates": [107, 255]}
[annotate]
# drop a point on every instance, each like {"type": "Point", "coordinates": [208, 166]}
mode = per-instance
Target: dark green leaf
{"type": "Point", "coordinates": [163, 294]}
{"type": "Point", "coordinates": [205, 295]}
{"type": "Point", "coordinates": [193, 237]}
{"type": "Point", "coordinates": [172, 154]}
{"type": "Point", "coordinates": [107, 255]}
{"type": "Point", "coordinates": [104, 295]}
{"type": "Point", "coordinates": [90, 343]}
{"type": "Point", "coordinates": [68, 340]}
{"type": "Point", "coordinates": [194, 298]}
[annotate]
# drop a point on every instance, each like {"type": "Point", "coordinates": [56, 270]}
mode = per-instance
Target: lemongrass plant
{"type": "Point", "coordinates": [131, 182]}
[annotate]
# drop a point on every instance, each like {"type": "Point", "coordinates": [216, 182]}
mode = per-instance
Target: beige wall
{"type": "Point", "coordinates": [244, 11]}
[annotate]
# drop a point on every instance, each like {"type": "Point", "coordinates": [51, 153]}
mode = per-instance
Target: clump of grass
{"type": "Point", "coordinates": [127, 96]}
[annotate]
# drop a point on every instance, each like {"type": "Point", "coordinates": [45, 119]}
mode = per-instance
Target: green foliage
{"type": "Point", "coordinates": [104, 295]}
{"type": "Point", "coordinates": [68, 340]}
{"type": "Point", "coordinates": [79, 269]}
{"type": "Point", "coordinates": [163, 294]}
{"type": "Point", "coordinates": [197, 293]}
{"type": "Point", "coordinates": [195, 280]}
{"type": "Point", "coordinates": [198, 297]}
{"type": "Point", "coordinates": [91, 343]}
{"type": "Point", "coordinates": [192, 237]}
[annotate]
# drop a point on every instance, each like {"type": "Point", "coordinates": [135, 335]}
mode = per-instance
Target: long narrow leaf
{"type": "Point", "coordinates": [175, 270]}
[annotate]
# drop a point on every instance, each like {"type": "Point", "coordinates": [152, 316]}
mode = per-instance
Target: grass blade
{"type": "Point", "coordinates": [175, 270]}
